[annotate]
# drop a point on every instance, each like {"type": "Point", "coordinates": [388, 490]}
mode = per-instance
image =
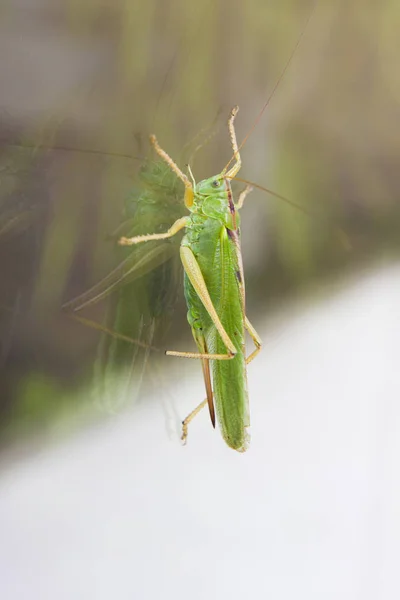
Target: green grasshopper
{"type": "Point", "coordinates": [214, 285]}
{"type": "Point", "coordinates": [215, 292]}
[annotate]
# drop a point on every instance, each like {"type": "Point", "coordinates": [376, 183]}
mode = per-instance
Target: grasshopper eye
{"type": "Point", "coordinates": [216, 183]}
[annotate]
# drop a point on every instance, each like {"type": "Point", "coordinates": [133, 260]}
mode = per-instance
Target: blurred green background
{"type": "Point", "coordinates": [82, 86]}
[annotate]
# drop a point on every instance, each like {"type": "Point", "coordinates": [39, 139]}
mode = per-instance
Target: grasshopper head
{"type": "Point", "coordinates": [214, 186]}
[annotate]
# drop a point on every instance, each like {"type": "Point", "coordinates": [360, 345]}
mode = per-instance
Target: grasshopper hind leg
{"type": "Point", "coordinates": [189, 418]}
{"type": "Point", "coordinates": [201, 343]}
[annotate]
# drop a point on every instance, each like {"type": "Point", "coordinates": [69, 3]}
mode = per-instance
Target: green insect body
{"type": "Point", "coordinates": [215, 293]}
{"type": "Point", "coordinates": [212, 233]}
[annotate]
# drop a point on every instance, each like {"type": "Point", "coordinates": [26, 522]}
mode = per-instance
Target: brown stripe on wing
{"type": "Point", "coordinates": [235, 238]}
{"type": "Point", "coordinates": [231, 203]}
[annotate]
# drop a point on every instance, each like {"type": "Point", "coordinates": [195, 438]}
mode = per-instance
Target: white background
{"type": "Point", "coordinates": [311, 511]}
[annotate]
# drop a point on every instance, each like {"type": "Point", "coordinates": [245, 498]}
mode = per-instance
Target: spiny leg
{"type": "Point", "coordinates": [202, 345]}
{"type": "Point", "coordinates": [256, 339]}
{"type": "Point", "coordinates": [242, 196]}
{"type": "Point", "coordinates": [166, 158]}
{"type": "Point", "coordinates": [236, 167]}
{"type": "Point", "coordinates": [189, 418]}
{"type": "Point", "coordinates": [177, 226]}
{"type": "Point", "coordinates": [189, 193]}
{"type": "Point", "coordinates": [180, 354]}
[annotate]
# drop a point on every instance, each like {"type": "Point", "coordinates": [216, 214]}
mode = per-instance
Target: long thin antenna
{"type": "Point", "coordinates": [341, 234]}
{"type": "Point", "coordinates": [279, 196]}
{"type": "Point", "coordinates": [281, 76]}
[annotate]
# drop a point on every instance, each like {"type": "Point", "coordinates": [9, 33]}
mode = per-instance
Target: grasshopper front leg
{"type": "Point", "coordinates": [138, 239]}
